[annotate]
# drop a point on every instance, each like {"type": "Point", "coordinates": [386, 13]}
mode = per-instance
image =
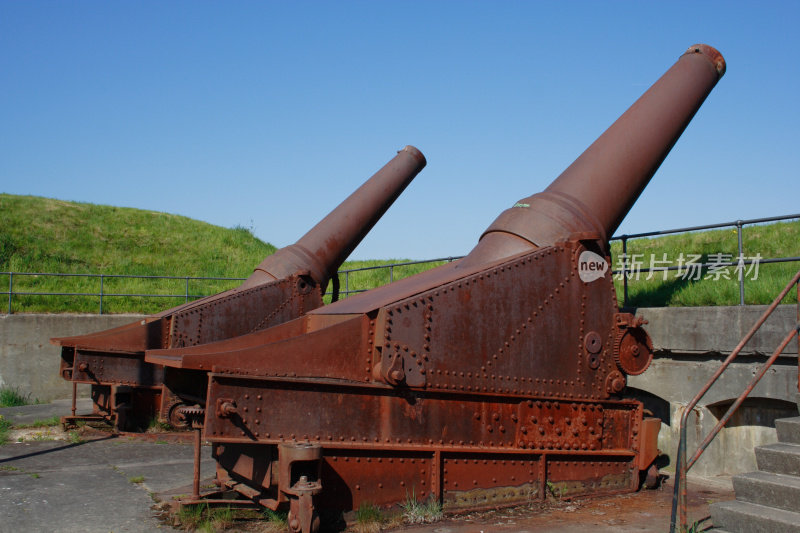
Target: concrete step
{"type": "Point", "coordinates": [779, 458]}
{"type": "Point", "coordinates": [772, 490]}
{"type": "Point", "coordinates": [743, 517]}
{"type": "Point", "coordinates": [788, 430]}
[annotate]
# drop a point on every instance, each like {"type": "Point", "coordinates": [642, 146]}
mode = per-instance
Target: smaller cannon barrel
{"type": "Point", "coordinates": [325, 247]}
{"type": "Point", "coordinates": [319, 253]}
{"type": "Point", "coordinates": [592, 196]}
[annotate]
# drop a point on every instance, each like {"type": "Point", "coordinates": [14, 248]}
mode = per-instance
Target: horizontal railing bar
{"type": "Point", "coordinates": [735, 223]}
{"type": "Point", "coordinates": [97, 294]}
{"type": "Point", "coordinates": [387, 265]}
{"type": "Point", "coordinates": [130, 276]}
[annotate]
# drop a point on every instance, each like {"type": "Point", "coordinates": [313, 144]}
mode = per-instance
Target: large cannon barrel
{"type": "Point", "coordinates": [327, 245]}
{"type": "Point", "coordinates": [592, 196]}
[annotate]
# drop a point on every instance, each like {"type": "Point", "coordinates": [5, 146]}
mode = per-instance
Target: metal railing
{"type": "Point", "coordinates": [186, 295]}
{"type": "Point", "coordinates": [738, 224]}
{"type": "Point", "coordinates": [678, 516]}
{"type": "Point", "coordinates": [348, 291]}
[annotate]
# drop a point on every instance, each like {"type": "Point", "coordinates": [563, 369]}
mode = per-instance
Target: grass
{"type": "Point", "coordinates": [136, 479]}
{"type": "Point", "coordinates": [369, 519]}
{"type": "Point", "coordinates": [769, 240]}
{"type": "Point", "coordinates": [364, 280]}
{"type": "Point", "coordinates": [46, 423]}
{"type": "Point", "coordinates": [45, 235]}
{"type": "Point", "coordinates": [275, 521]}
{"type": "Point", "coordinates": [8, 468]}
{"type": "Point", "coordinates": [157, 426]}
{"type": "Point", "coordinates": [12, 397]}
{"type": "Point", "coordinates": [5, 428]}
{"type": "Point", "coordinates": [206, 519]}
{"type": "Point", "coordinates": [416, 512]}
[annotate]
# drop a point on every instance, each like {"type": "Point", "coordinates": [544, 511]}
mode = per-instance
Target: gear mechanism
{"type": "Point", "coordinates": [633, 350]}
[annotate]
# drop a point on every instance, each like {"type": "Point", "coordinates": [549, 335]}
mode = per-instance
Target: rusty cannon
{"type": "Point", "coordinates": [485, 382]}
{"type": "Point", "coordinates": [129, 392]}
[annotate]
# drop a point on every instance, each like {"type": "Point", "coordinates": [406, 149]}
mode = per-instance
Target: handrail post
{"type": "Point", "coordinates": [740, 259]}
{"type": "Point", "coordinates": [347, 283]}
{"type": "Point", "coordinates": [625, 270]}
{"type": "Point", "coordinates": [101, 294]}
{"type": "Point", "coordinates": [391, 273]}
{"type": "Point", "coordinates": [680, 492]}
{"type": "Point", "coordinates": [10, 289]}
{"type": "Point", "coordinates": [187, 289]}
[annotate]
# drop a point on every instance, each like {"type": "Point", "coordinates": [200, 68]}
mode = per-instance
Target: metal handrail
{"type": "Point", "coordinates": [347, 291]}
{"type": "Point", "coordinates": [680, 492]}
{"type": "Point", "coordinates": [186, 295]}
{"type": "Point", "coordinates": [738, 224]}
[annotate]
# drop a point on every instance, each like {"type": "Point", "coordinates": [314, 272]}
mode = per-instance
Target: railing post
{"type": "Point", "coordinates": [740, 261]}
{"type": "Point", "coordinates": [625, 271]}
{"type": "Point", "coordinates": [101, 294]}
{"type": "Point", "coordinates": [187, 289]}
{"type": "Point", "coordinates": [347, 284]}
{"type": "Point", "coordinates": [10, 289]}
{"type": "Point", "coordinates": [391, 273]}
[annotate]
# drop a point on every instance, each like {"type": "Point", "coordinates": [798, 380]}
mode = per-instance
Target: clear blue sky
{"type": "Point", "coordinates": [267, 114]}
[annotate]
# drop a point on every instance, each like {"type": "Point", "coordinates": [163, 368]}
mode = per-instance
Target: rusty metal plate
{"type": "Point", "coordinates": [278, 410]}
{"type": "Point", "coordinates": [115, 369]}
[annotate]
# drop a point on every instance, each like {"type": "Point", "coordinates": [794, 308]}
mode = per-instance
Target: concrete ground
{"type": "Point", "coordinates": [110, 484]}
{"type": "Point", "coordinates": [92, 486]}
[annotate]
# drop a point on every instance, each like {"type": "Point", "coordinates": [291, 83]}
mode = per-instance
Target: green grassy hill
{"type": "Point", "coordinates": [43, 235]}
{"type": "Point", "coordinates": [53, 236]}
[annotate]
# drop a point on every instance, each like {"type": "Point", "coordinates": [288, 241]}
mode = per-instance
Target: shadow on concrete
{"type": "Point", "coordinates": [58, 449]}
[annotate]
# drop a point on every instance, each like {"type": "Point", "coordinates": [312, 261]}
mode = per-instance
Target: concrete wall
{"type": "Point", "coordinates": [690, 345]}
{"type": "Point", "coordinates": [29, 362]}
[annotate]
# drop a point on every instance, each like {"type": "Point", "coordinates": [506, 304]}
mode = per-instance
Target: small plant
{"type": "Point", "coordinates": [368, 518]}
{"type": "Point", "coordinates": [34, 475]}
{"type": "Point", "coordinates": [554, 490]}
{"type": "Point", "coordinates": [416, 512]}
{"type": "Point", "coordinates": [368, 512]}
{"type": "Point", "coordinates": [8, 468]}
{"type": "Point", "coordinates": [191, 516]}
{"type": "Point", "coordinates": [5, 427]}
{"type": "Point", "coordinates": [75, 437]}
{"type": "Point", "coordinates": [161, 441]}
{"type": "Point", "coordinates": [277, 518]}
{"type": "Point", "coordinates": [12, 397]}
{"type": "Point", "coordinates": [157, 426]}
{"type": "Point", "coordinates": [46, 423]}
{"type": "Point", "coordinates": [221, 518]}
{"type": "Point", "coordinates": [136, 479]}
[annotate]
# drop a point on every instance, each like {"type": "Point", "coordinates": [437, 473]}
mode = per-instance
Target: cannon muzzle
{"type": "Point", "coordinates": [323, 249]}
{"type": "Point", "coordinates": [592, 196]}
